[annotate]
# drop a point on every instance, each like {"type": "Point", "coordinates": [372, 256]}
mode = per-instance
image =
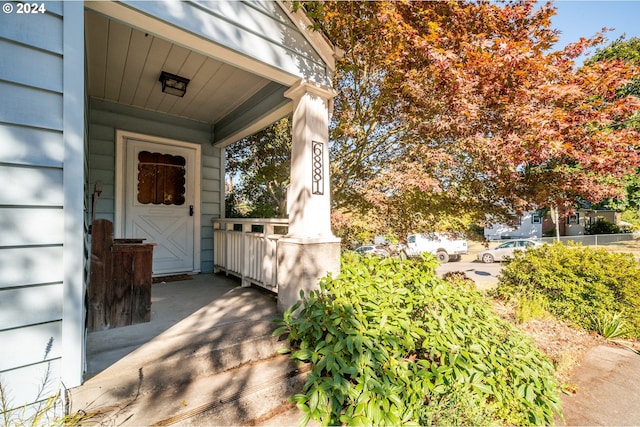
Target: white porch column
{"type": "Point", "coordinates": [310, 250]}
{"type": "Point", "coordinates": [308, 196]}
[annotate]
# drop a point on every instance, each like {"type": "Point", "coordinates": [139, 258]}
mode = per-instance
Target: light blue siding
{"type": "Point", "coordinates": [41, 31]}
{"type": "Point", "coordinates": [107, 117]}
{"type": "Point", "coordinates": [41, 379]}
{"type": "Point", "coordinates": [30, 146]}
{"type": "Point", "coordinates": [29, 265]}
{"type": "Point", "coordinates": [31, 305]}
{"type": "Point", "coordinates": [30, 186]}
{"type": "Point", "coordinates": [38, 343]}
{"type": "Point", "coordinates": [30, 106]}
{"type": "Point", "coordinates": [36, 205]}
{"type": "Point", "coordinates": [27, 226]}
{"type": "Point", "coordinates": [48, 75]}
{"type": "Point", "coordinates": [35, 356]}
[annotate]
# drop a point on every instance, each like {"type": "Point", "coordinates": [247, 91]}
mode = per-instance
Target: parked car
{"type": "Point", "coordinates": [443, 246]}
{"type": "Point", "coordinates": [506, 250]}
{"type": "Point", "coordinates": [377, 250]}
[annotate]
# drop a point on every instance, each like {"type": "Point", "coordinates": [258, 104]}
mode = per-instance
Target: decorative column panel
{"type": "Point", "coordinates": [308, 196]}
{"type": "Point", "coordinates": [310, 250]}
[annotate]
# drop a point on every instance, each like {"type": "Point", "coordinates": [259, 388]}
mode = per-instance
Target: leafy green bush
{"type": "Point", "coordinates": [610, 325]}
{"type": "Point", "coordinates": [582, 285]}
{"type": "Point", "coordinates": [390, 343]}
{"type": "Point", "coordinates": [602, 227]}
{"type": "Point", "coordinates": [529, 308]}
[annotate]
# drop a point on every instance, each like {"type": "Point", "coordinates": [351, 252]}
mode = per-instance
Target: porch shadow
{"type": "Point", "coordinates": [199, 331]}
{"type": "Point", "coordinates": [180, 311]}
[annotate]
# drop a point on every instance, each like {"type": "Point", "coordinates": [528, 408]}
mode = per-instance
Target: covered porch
{"type": "Point", "coordinates": [156, 167]}
{"type": "Point", "coordinates": [156, 157]}
{"type": "Point", "coordinates": [92, 128]}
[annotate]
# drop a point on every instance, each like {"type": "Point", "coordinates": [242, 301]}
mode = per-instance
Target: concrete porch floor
{"type": "Point", "coordinates": [181, 313]}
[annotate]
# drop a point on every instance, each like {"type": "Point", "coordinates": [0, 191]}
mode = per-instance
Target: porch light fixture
{"type": "Point", "coordinates": [173, 85]}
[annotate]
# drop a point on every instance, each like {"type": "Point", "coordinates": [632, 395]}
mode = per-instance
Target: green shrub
{"type": "Point", "coordinates": [578, 284]}
{"type": "Point", "coordinates": [390, 343]}
{"type": "Point", "coordinates": [610, 325]}
{"type": "Point", "coordinates": [602, 227]}
{"type": "Point", "coordinates": [529, 308]}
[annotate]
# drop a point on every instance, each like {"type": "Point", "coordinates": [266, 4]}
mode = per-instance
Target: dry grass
{"type": "Point", "coordinates": [563, 344]}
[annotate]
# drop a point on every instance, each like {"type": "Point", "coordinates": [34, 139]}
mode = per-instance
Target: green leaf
{"type": "Point", "coordinates": [313, 400]}
{"type": "Point", "coordinates": [482, 388]}
{"type": "Point", "coordinates": [304, 354]}
{"type": "Point", "coordinates": [281, 330]}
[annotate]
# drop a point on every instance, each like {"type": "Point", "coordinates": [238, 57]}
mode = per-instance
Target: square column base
{"type": "Point", "coordinates": [301, 264]}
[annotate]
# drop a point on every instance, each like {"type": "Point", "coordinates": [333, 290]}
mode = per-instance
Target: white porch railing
{"type": "Point", "coordinates": [247, 248]}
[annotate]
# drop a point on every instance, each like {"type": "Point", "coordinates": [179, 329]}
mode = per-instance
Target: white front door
{"type": "Point", "coordinates": [161, 202]}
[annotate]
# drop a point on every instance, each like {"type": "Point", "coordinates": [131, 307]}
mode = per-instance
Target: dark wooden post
{"type": "Point", "coordinates": [119, 291]}
{"type": "Point", "coordinates": [130, 301]}
{"type": "Point", "coordinates": [141, 285]}
{"type": "Point", "coordinates": [100, 273]}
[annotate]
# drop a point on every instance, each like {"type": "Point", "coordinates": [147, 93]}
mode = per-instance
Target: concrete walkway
{"type": "Point", "coordinates": [608, 382]}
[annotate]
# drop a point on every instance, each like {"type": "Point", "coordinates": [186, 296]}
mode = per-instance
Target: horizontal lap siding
{"type": "Point", "coordinates": [31, 202]}
{"type": "Point", "coordinates": [210, 202]}
{"type": "Point", "coordinates": [24, 145]}
{"type": "Point", "coordinates": [25, 226]}
{"type": "Point", "coordinates": [43, 381]}
{"type": "Point", "coordinates": [107, 117]}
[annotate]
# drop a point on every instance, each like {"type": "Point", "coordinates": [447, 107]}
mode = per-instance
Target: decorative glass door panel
{"type": "Point", "coordinates": [161, 178]}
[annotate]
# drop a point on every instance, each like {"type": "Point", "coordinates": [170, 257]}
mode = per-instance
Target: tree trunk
{"type": "Point", "coordinates": [554, 213]}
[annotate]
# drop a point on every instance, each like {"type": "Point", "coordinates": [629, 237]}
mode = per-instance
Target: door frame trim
{"type": "Point", "coordinates": [121, 159]}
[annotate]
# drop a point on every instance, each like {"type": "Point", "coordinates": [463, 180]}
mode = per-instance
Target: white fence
{"type": "Point", "coordinates": [594, 239]}
{"type": "Point", "coordinates": [247, 248]}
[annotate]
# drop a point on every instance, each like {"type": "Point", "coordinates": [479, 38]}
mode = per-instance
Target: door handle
{"type": "Point", "coordinates": [190, 210]}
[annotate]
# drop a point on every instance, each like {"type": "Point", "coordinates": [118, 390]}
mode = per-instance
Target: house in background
{"type": "Point", "coordinates": [527, 226]}
{"type": "Point", "coordinates": [93, 97]}
{"type": "Point", "coordinates": [533, 225]}
{"type": "Point", "coordinates": [576, 223]}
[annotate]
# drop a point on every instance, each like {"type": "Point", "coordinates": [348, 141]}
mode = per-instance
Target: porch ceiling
{"type": "Point", "coordinates": [124, 66]}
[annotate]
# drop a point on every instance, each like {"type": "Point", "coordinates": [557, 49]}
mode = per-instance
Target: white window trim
{"type": "Point", "coordinates": [571, 220]}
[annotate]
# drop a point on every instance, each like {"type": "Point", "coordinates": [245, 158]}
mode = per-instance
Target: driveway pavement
{"type": "Point", "coordinates": [485, 275]}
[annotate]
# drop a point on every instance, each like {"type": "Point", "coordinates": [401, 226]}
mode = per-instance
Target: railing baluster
{"type": "Point", "coordinates": [248, 255]}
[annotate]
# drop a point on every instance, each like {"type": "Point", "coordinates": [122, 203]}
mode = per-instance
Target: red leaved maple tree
{"type": "Point", "coordinates": [451, 112]}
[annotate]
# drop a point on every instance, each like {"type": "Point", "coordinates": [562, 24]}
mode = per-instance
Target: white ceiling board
{"type": "Point", "coordinates": [119, 36]}
{"type": "Point", "coordinates": [151, 71]}
{"type": "Point", "coordinates": [136, 59]}
{"type": "Point", "coordinates": [198, 87]}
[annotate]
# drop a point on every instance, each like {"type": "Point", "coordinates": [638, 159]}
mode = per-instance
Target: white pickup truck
{"type": "Point", "coordinates": [444, 247]}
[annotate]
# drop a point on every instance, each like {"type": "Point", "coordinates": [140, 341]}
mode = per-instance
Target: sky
{"type": "Point", "coordinates": [578, 18]}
